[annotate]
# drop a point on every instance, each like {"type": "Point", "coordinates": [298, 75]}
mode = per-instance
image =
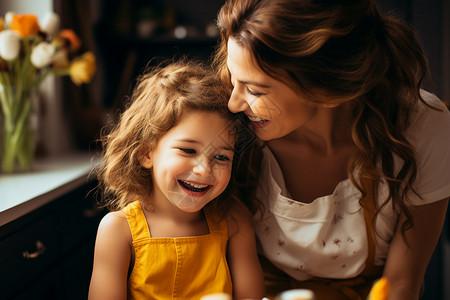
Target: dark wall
{"type": "Point", "coordinates": [427, 17]}
{"type": "Point", "coordinates": [132, 34]}
{"type": "Point", "coordinates": [123, 44]}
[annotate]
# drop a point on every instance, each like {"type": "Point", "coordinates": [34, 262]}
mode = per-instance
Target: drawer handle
{"type": "Point", "coordinates": [40, 249]}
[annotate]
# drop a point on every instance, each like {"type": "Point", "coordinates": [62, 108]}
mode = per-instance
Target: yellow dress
{"type": "Point", "coordinates": [177, 268]}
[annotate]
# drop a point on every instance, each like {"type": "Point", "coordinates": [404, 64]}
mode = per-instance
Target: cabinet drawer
{"type": "Point", "coordinates": [27, 253]}
{"type": "Point", "coordinates": [46, 287]}
{"type": "Point", "coordinates": [76, 273]}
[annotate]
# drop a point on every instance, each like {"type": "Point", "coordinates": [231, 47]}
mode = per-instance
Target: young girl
{"type": "Point", "coordinates": [355, 176]}
{"type": "Point", "coordinates": [175, 230]}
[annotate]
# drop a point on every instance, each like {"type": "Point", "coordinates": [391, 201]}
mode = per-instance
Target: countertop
{"type": "Point", "coordinates": [50, 178]}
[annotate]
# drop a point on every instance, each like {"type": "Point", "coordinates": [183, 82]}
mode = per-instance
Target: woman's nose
{"type": "Point", "coordinates": [237, 102]}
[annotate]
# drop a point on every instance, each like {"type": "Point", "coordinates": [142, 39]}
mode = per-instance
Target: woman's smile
{"type": "Point", "coordinates": [272, 107]}
{"type": "Point", "coordinates": [257, 121]}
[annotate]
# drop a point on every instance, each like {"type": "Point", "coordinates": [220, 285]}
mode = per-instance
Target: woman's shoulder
{"type": "Point", "coordinates": [429, 135]}
{"type": "Point", "coordinates": [432, 99]}
{"type": "Point", "coordinates": [434, 111]}
{"type": "Point", "coordinates": [430, 119]}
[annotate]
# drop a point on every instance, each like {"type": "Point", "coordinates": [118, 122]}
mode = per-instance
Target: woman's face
{"type": "Point", "coordinates": [273, 108]}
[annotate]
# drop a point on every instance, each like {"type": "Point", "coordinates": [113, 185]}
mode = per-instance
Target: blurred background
{"type": "Point", "coordinates": [128, 35]}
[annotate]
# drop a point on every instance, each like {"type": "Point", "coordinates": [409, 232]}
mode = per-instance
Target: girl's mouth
{"type": "Point", "coordinates": [193, 187]}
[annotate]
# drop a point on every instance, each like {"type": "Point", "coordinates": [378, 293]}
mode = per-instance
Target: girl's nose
{"type": "Point", "coordinates": [203, 167]}
{"type": "Point", "coordinates": [237, 102]}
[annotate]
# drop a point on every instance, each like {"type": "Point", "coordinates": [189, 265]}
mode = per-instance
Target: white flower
{"type": "Point", "coordinates": [9, 44]}
{"type": "Point", "coordinates": [50, 23]}
{"type": "Point", "coordinates": [42, 54]}
{"type": "Point", "coordinates": [9, 17]}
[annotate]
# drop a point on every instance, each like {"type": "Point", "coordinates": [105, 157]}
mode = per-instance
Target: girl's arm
{"type": "Point", "coordinates": [405, 267]}
{"type": "Point", "coordinates": [111, 259]}
{"type": "Point", "coordinates": [246, 272]}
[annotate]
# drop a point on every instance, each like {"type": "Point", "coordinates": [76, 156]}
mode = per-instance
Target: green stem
{"type": "Point", "coordinates": [6, 108]}
{"type": "Point", "coordinates": [17, 139]}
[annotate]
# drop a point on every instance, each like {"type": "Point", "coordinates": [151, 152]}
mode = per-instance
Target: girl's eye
{"type": "Point", "coordinates": [188, 150]}
{"type": "Point", "coordinates": [222, 158]}
{"type": "Point", "coordinates": [253, 92]}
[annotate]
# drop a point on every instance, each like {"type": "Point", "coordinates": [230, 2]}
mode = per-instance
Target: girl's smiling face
{"type": "Point", "coordinates": [273, 108]}
{"type": "Point", "coordinates": [191, 164]}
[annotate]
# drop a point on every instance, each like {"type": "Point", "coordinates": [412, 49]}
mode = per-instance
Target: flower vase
{"type": "Point", "coordinates": [17, 150]}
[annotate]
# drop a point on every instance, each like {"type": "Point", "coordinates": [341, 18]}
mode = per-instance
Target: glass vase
{"type": "Point", "coordinates": [17, 133]}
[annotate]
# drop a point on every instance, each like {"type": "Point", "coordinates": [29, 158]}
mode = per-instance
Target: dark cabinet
{"type": "Point", "coordinates": [28, 254]}
{"type": "Point", "coordinates": [47, 253]}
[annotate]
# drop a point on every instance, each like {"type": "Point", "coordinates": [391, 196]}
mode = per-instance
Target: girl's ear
{"type": "Point", "coordinates": [146, 159]}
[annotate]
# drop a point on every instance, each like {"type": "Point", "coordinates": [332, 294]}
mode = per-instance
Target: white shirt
{"type": "Point", "coordinates": [327, 238]}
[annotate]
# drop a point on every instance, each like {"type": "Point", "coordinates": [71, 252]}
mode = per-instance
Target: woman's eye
{"type": "Point", "coordinates": [188, 150]}
{"type": "Point", "coordinates": [253, 92]}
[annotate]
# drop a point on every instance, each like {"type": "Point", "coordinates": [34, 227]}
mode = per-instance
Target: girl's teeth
{"type": "Point", "coordinates": [197, 186]}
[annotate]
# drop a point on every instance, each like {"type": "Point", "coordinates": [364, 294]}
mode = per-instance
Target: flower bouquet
{"type": "Point", "coordinates": [29, 51]}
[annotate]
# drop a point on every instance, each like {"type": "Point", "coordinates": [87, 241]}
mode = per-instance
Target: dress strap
{"type": "Point", "coordinates": [216, 223]}
{"type": "Point", "coordinates": [137, 221]}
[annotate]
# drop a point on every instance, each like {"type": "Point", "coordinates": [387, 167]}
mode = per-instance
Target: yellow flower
{"type": "Point", "coordinates": [82, 68]}
{"type": "Point", "coordinates": [1, 24]}
{"type": "Point", "coordinates": [380, 290]}
{"type": "Point", "coordinates": [25, 24]}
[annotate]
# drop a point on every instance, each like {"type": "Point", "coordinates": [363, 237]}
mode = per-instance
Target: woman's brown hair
{"type": "Point", "coordinates": [348, 51]}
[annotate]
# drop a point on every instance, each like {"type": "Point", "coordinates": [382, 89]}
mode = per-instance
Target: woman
{"type": "Point", "coordinates": [355, 177]}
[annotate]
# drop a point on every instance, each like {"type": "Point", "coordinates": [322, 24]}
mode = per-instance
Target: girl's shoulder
{"type": "Point", "coordinates": [114, 218]}
{"type": "Point", "coordinates": [114, 225]}
{"type": "Point", "coordinates": [239, 219]}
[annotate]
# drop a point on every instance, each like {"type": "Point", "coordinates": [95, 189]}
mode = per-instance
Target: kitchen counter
{"type": "Point", "coordinates": [48, 223]}
{"type": "Point", "coordinates": [21, 193]}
